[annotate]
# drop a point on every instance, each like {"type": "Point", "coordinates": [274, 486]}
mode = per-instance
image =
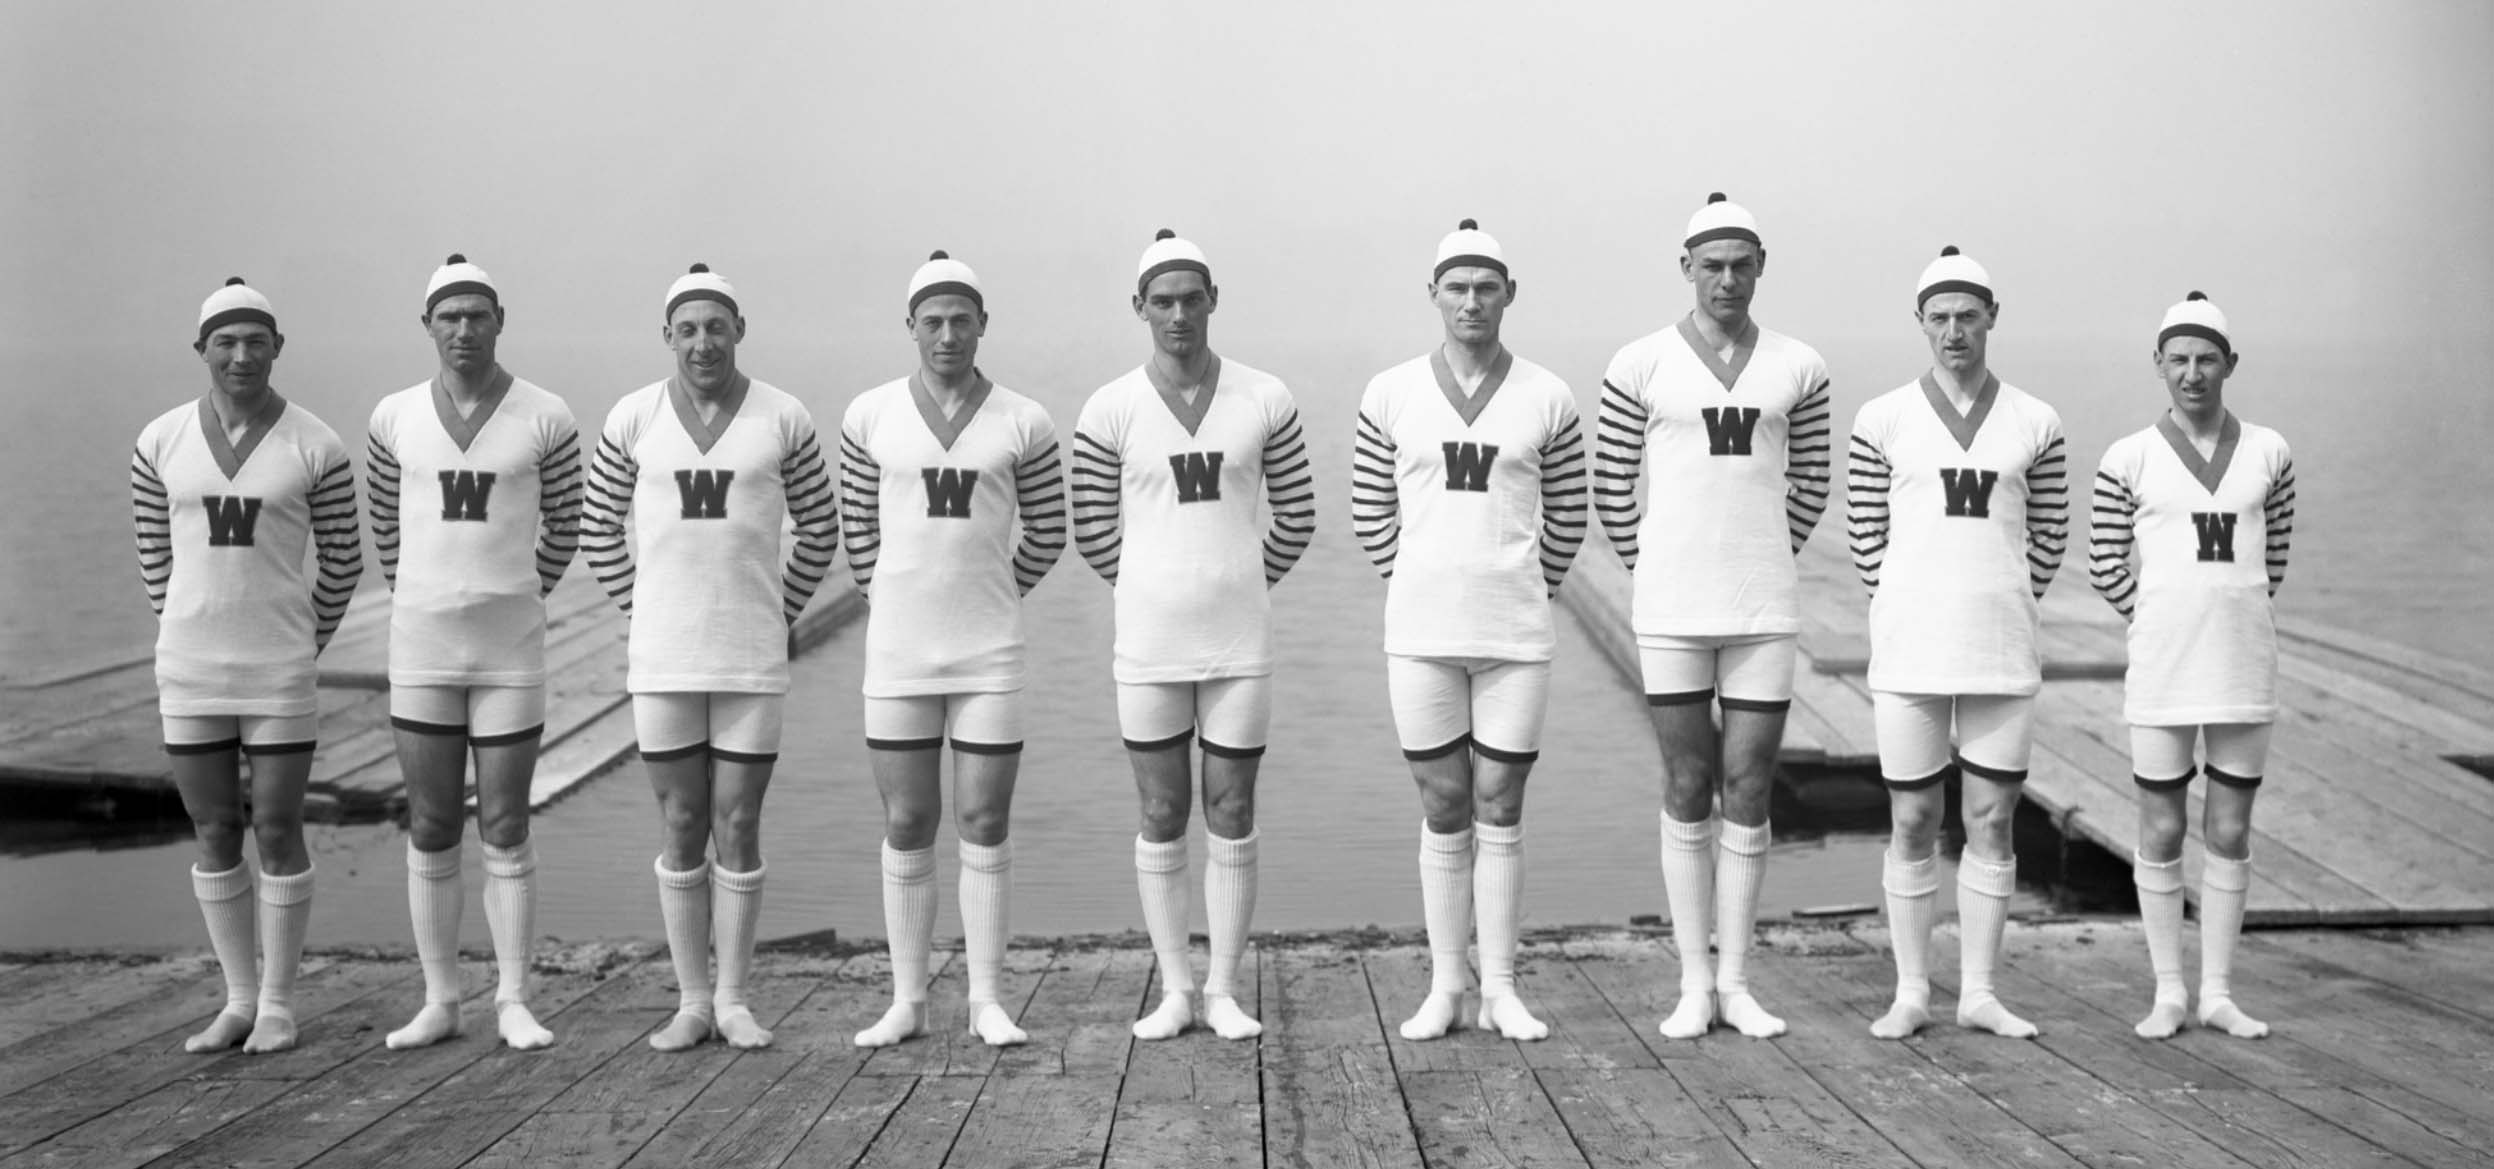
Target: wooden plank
{"type": "Point", "coordinates": [1853, 738]}
{"type": "Point", "coordinates": [1052, 1121]}
{"type": "Point", "coordinates": [2444, 732]}
{"type": "Point", "coordinates": [2446, 690]}
{"type": "Point", "coordinates": [1400, 977]}
{"type": "Point", "coordinates": [803, 1120]}
{"type": "Point", "coordinates": [1330, 1095]}
{"type": "Point", "coordinates": [1195, 1098]}
{"type": "Point", "coordinates": [765, 1104]}
{"type": "Point", "coordinates": [1490, 1117]}
{"type": "Point", "coordinates": [48, 996]}
{"type": "Point", "coordinates": [151, 1023]}
{"type": "Point", "coordinates": [150, 1126]}
{"type": "Point", "coordinates": [1584, 1031]}
{"type": "Point", "coordinates": [920, 1132]}
{"type": "Point", "coordinates": [1089, 999]}
{"type": "Point", "coordinates": [1634, 1118]}
{"type": "Point", "coordinates": [2451, 671]}
{"type": "Point", "coordinates": [2309, 714]}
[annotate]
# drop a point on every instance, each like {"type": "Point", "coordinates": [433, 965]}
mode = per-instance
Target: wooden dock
{"type": "Point", "coordinates": [2365, 816]}
{"type": "Point", "coordinates": [90, 732]}
{"type": "Point", "coordinates": [2378, 1058]}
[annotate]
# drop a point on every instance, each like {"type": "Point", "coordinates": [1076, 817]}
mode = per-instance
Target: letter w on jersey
{"type": "Point", "coordinates": [1969, 491]}
{"type": "Point", "coordinates": [231, 520]}
{"type": "Point", "coordinates": [1468, 464]}
{"type": "Point", "coordinates": [2216, 534]}
{"type": "Point", "coordinates": [704, 492]}
{"type": "Point", "coordinates": [948, 491]}
{"type": "Point", "coordinates": [1198, 474]}
{"type": "Point", "coordinates": [1728, 429]}
{"type": "Point", "coordinates": [463, 494]}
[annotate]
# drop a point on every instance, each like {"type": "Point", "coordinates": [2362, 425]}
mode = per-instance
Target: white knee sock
{"type": "Point", "coordinates": [986, 904]}
{"type": "Point", "coordinates": [1446, 910]}
{"type": "Point", "coordinates": [511, 916]}
{"type": "Point", "coordinates": [1160, 876]}
{"type": "Point", "coordinates": [2160, 918]}
{"type": "Point", "coordinates": [684, 905]}
{"type": "Point", "coordinates": [285, 914]}
{"type": "Point", "coordinates": [909, 935]}
{"type": "Point", "coordinates": [434, 898]}
{"type": "Point", "coordinates": [1498, 902]}
{"type": "Point", "coordinates": [1983, 890]}
{"type": "Point", "coordinates": [225, 901]}
{"type": "Point", "coordinates": [2224, 883]}
{"type": "Point", "coordinates": [1689, 890]}
{"type": "Point", "coordinates": [1740, 870]}
{"type": "Point", "coordinates": [735, 908]}
{"type": "Point", "coordinates": [1913, 890]}
{"type": "Point", "coordinates": [1229, 905]}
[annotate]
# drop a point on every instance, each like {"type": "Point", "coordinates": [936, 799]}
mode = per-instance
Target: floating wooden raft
{"type": "Point", "coordinates": [2365, 816]}
{"type": "Point", "coordinates": [92, 730]}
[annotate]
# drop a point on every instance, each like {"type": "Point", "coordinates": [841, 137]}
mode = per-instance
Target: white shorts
{"type": "Point", "coordinates": [2160, 757]}
{"type": "Point", "coordinates": [981, 724]}
{"type": "Point", "coordinates": [257, 734]}
{"type": "Point", "coordinates": [1230, 715]}
{"type": "Point", "coordinates": [488, 716]}
{"type": "Point", "coordinates": [1994, 736]}
{"type": "Point", "coordinates": [1442, 705]}
{"type": "Point", "coordinates": [737, 727]}
{"type": "Point", "coordinates": [1750, 671]}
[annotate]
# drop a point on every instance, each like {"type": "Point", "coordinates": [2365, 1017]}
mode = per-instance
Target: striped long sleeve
{"type": "Point", "coordinates": [1618, 461]}
{"type": "Point", "coordinates": [1039, 495]}
{"type": "Point", "coordinates": [1376, 504]}
{"type": "Point", "coordinates": [2047, 514]}
{"type": "Point", "coordinates": [861, 510]}
{"type": "Point", "coordinates": [338, 541]}
{"type": "Point", "coordinates": [1098, 484]}
{"type": "Point", "coordinates": [2279, 512]}
{"type": "Point", "coordinates": [612, 471]}
{"type": "Point", "coordinates": [815, 507]}
{"type": "Point", "coordinates": [558, 510]}
{"type": "Point", "coordinates": [1809, 450]}
{"type": "Point", "coordinates": [381, 475]}
{"type": "Point", "coordinates": [151, 514]}
{"type": "Point", "coordinates": [1290, 492]}
{"type": "Point", "coordinates": [1562, 501]}
{"type": "Point", "coordinates": [1866, 508]}
{"type": "Point", "coordinates": [2110, 537]}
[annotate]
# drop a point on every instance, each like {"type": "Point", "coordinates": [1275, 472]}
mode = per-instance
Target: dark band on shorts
{"type": "Point", "coordinates": [1914, 785]}
{"type": "Point", "coordinates": [1227, 752]}
{"type": "Point", "coordinates": [1441, 751]}
{"type": "Point", "coordinates": [2228, 778]}
{"type": "Point", "coordinates": [875, 744]}
{"type": "Point", "coordinates": [1492, 753]}
{"type": "Point", "coordinates": [2175, 784]}
{"type": "Point", "coordinates": [725, 755]}
{"type": "Point", "coordinates": [967, 747]}
{"type": "Point", "coordinates": [203, 748]}
{"type": "Point", "coordinates": [420, 727]}
{"type": "Point", "coordinates": [304, 747]}
{"type": "Point", "coordinates": [1760, 705]}
{"type": "Point", "coordinates": [505, 740]}
{"type": "Point", "coordinates": [1181, 739]}
{"type": "Point", "coordinates": [672, 754]}
{"type": "Point", "coordinates": [1995, 774]}
{"type": "Point", "coordinates": [1681, 698]}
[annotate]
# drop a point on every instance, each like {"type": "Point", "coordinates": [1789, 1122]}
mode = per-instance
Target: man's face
{"type": "Point", "coordinates": [239, 357]}
{"type": "Point", "coordinates": [2195, 372]}
{"type": "Point", "coordinates": [1959, 327]}
{"type": "Point", "coordinates": [1178, 306]}
{"type": "Point", "coordinates": [465, 330]}
{"type": "Point", "coordinates": [704, 334]}
{"type": "Point", "coordinates": [1473, 302]}
{"type": "Point", "coordinates": [947, 329]}
{"type": "Point", "coordinates": [1725, 272]}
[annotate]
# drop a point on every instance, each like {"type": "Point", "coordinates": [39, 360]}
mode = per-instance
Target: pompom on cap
{"type": "Point", "coordinates": [1950, 250]}
{"type": "Point", "coordinates": [697, 268]}
{"type": "Point", "coordinates": [939, 254]}
{"type": "Point", "coordinates": [1469, 225]}
{"type": "Point", "coordinates": [231, 281]}
{"type": "Point", "coordinates": [1716, 197]}
{"type": "Point", "coordinates": [1163, 234]}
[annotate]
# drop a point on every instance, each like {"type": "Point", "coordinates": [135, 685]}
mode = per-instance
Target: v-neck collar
{"type": "Point", "coordinates": [948, 429]}
{"type": "Point", "coordinates": [464, 430]}
{"type": "Point", "coordinates": [231, 456]}
{"type": "Point", "coordinates": [1189, 416]}
{"type": "Point", "coordinates": [1469, 408]}
{"type": "Point", "coordinates": [705, 437]}
{"type": "Point", "coordinates": [2210, 472]}
{"type": "Point", "coordinates": [1743, 347]}
{"type": "Point", "coordinates": [1962, 427]}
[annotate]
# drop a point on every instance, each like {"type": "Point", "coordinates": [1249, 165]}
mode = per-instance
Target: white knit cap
{"type": "Point", "coordinates": [1721, 218]}
{"type": "Point", "coordinates": [1168, 253]}
{"type": "Point", "coordinates": [236, 303]}
{"type": "Point", "coordinates": [1952, 273]}
{"type": "Point", "coordinates": [700, 284]}
{"type": "Point", "coordinates": [2196, 316]}
{"type": "Point", "coordinates": [1469, 247]}
{"type": "Point", "coordinates": [458, 277]}
{"type": "Point", "coordinates": [943, 275]}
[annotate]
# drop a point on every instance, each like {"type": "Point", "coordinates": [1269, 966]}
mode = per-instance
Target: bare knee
{"type": "Point", "coordinates": [2231, 841]}
{"type": "Point", "coordinates": [2160, 835]}
{"type": "Point", "coordinates": [1499, 804]}
{"type": "Point", "coordinates": [1163, 815]}
{"type": "Point", "coordinates": [736, 831]}
{"type": "Point", "coordinates": [1988, 827]}
{"type": "Point", "coordinates": [1689, 782]}
{"type": "Point", "coordinates": [434, 832]}
{"type": "Point", "coordinates": [1915, 825]}
{"type": "Point", "coordinates": [988, 827]}
{"type": "Point", "coordinates": [280, 843]}
{"type": "Point", "coordinates": [910, 829]}
{"type": "Point", "coordinates": [508, 830]}
{"type": "Point", "coordinates": [687, 833]}
{"type": "Point", "coordinates": [220, 833]}
{"type": "Point", "coordinates": [1232, 814]}
{"type": "Point", "coordinates": [1748, 791]}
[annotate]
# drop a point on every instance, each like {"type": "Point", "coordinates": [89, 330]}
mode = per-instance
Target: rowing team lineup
{"type": "Point", "coordinates": [1472, 490]}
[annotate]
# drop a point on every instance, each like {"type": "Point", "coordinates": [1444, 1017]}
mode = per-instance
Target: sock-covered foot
{"type": "Point", "coordinates": [903, 1021]}
{"type": "Point", "coordinates": [519, 1027]}
{"type": "Point", "coordinates": [231, 1026]}
{"type": "Point", "coordinates": [1907, 1015]}
{"type": "Point", "coordinates": [1508, 1014]}
{"type": "Point", "coordinates": [433, 1023]}
{"type": "Point", "coordinates": [1742, 1011]}
{"type": "Point", "coordinates": [741, 1030]}
{"type": "Point", "coordinates": [2164, 1019]}
{"type": "Point", "coordinates": [1168, 1020]}
{"type": "Point", "coordinates": [1692, 1017]}
{"type": "Point", "coordinates": [1435, 1017]}
{"type": "Point", "coordinates": [992, 1025]}
{"type": "Point", "coordinates": [1987, 1014]}
{"type": "Point", "coordinates": [689, 1027]}
{"type": "Point", "coordinates": [2225, 1016]}
{"type": "Point", "coordinates": [273, 1031]}
{"type": "Point", "coordinates": [1229, 1020]}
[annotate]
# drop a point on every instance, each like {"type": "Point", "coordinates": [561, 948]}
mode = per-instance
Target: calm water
{"type": "Point", "coordinates": [2391, 539]}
